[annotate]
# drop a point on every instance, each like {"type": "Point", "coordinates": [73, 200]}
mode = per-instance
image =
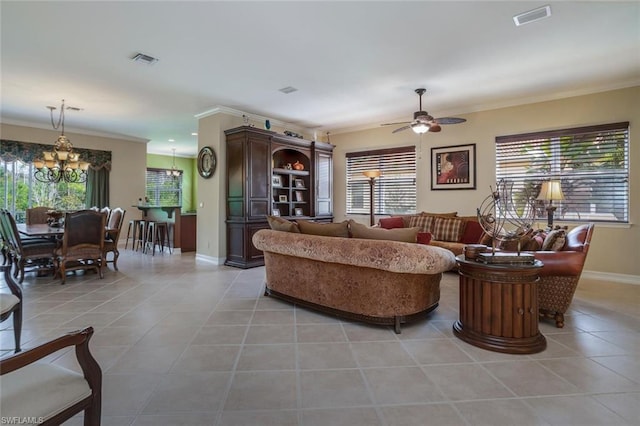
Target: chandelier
{"type": "Point", "coordinates": [174, 172]}
{"type": "Point", "coordinates": [60, 164]}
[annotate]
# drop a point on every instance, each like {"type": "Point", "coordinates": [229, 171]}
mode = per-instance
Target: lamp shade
{"type": "Point", "coordinates": [551, 190]}
{"type": "Point", "coordinates": [371, 173]}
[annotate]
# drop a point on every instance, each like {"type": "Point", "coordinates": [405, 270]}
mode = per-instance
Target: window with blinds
{"type": "Point", "coordinates": [591, 163]}
{"type": "Point", "coordinates": [163, 189]}
{"type": "Point", "coordinates": [394, 190]}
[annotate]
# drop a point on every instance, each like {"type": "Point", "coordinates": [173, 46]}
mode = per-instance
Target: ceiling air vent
{"type": "Point", "coordinates": [532, 15]}
{"type": "Point", "coordinates": [145, 59]}
{"type": "Point", "coordinates": [288, 89]}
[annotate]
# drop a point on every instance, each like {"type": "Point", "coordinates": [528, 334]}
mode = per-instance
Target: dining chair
{"type": "Point", "coordinates": [34, 252]}
{"type": "Point", "coordinates": [37, 215]}
{"type": "Point", "coordinates": [82, 243]}
{"type": "Point", "coordinates": [33, 388]}
{"type": "Point", "coordinates": [11, 303]}
{"type": "Point", "coordinates": [113, 236]}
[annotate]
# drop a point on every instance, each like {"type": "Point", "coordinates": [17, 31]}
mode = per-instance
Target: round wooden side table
{"type": "Point", "coordinates": [499, 306]}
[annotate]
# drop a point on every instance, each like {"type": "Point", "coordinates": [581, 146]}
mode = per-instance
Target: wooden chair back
{"type": "Point", "coordinates": [37, 215]}
{"type": "Point", "coordinates": [82, 242]}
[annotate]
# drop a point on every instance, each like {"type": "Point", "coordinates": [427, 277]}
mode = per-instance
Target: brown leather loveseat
{"type": "Point", "coordinates": [561, 272]}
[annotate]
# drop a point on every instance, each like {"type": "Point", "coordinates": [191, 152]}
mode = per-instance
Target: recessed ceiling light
{"type": "Point", "coordinates": [194, 134]}
{"type": "Point", "coordinates": [288, 89]}
{"type": "Point", "coordinates": [532, 15]}
{"type": "Point", "coordinates": [146, 59]}
{"type": "Point", "coordinates": [172, 140]}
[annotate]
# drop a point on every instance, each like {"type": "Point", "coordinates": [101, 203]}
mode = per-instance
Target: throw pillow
{"type": "Point", "coordinates": [423, 222]}
{"type": "Point", "coordinates": [279, 224]}
{"type": "Point", "coordinates": [472, 232]}
{"type": "Point", "coordinates": [407, 235]}
{"type": "Point", "coordinates": [555, 240]}
{"type": "Point", "coordinates": [447, 229]}
{"type": "Point", "coordinates": [325, 229]}
{"type": "Point", "coordinates": [452, 214]}
{"type": "Point", "coordinates": [424, 238]}
{"type": "Point", "coordinates": [392, 222]}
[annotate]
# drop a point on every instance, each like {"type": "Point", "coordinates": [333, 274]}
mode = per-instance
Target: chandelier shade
{"type": "Point", "coordinates": [61, 164]}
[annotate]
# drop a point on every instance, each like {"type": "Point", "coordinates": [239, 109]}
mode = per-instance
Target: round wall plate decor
{"type": "Point", "coordinates": [206, 162]}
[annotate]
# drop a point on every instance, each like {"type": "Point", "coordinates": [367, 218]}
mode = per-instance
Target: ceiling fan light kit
{"type": "Point", "coordinates": [423, 122]}
{"type": "Point", "coordinates": [420, 127]}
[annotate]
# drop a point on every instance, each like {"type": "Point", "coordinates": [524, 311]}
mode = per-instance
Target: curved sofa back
{"type": "Point", "coordinates": [392, 256]}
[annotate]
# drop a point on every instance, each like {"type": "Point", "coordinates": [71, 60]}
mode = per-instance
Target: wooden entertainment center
{"type": "Point", "coordinates": [261, 180]}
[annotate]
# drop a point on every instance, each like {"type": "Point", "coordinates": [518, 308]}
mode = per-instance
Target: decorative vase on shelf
{"type": "Point", "coordinates": [298, 166]}
{"type": "Point", "coordinates": [267, 124]}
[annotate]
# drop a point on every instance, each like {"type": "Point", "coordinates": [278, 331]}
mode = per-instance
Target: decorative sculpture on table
{"type": "Point", "coordinates": [506, 216]}
{"type": "Point", "coordinates": [54, 218]}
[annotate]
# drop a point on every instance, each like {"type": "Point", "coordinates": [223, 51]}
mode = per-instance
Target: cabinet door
{"type": "Point", "coordinates": [324, 182]}
{"type": "Point", "coordinates": [258, 178]}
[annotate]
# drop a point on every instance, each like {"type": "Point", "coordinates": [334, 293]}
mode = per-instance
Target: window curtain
{"type": "Point", "coordinates": [97, 188]}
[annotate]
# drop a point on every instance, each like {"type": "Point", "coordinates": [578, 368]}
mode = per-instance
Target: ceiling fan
{"type": "Point", "coordinates": [423, 122]}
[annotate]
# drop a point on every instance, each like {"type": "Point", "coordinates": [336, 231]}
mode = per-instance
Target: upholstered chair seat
{"type": "Point", "coordinates": [48, 394]}
{"type": "Point", "coordinates": [57, 390]}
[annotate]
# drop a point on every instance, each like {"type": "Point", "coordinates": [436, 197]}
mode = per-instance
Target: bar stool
{"type": "Point", "coordinates": [138, 227]}
{"type": "Point", "coordinates": [161, 236]}
{"type": "Point", "coordinates": [156, 234]}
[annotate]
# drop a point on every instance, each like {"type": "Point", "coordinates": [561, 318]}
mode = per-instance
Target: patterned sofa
{"type": "Point", "coordinates": [381, 282]}
{"type": "Point", "coordinates": [446, 230]}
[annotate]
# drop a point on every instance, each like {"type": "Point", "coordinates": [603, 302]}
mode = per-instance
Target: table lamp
{"type": "Point", "coordinates": [372, 175]}
{"type": "Point", "coordinates": [551, 190]}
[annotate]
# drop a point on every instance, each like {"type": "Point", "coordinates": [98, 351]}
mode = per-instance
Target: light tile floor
{"type": "Point", "coordinates": [183, 342]}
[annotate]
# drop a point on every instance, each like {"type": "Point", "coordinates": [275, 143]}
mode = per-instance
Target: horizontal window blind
{"type": "Point", "coordinates": [394, 190]}
{"type": "Point", "coordinates": [163, 190]}
{"type": "Point", "coordinates": [592, 164]}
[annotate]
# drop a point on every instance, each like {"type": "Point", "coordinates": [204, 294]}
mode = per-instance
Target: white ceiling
{"type": "Point", "coordinates": [355, 64]}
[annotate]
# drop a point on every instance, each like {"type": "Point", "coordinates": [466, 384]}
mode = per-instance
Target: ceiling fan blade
{"type": "Point", "coordinates": [401, 129]}
{"type": "Point", "coordinates": [434, 127]}
{"type": "Point", "coordinates": [450, 120]}
{"type": "Point", "coordinates": [395, 124]}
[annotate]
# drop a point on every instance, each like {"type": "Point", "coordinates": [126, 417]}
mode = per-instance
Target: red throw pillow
{"type": "Point", "coordinates": [424, 238]}
{"type": "Point", "coordinates": [392, 222]}
{"type": "Point", "coordinates": [472, 233]}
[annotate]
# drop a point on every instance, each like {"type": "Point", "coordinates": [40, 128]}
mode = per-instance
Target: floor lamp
{"type": "Point", "coordinates": [372, 175]}
{"type": "Point", "coordinates": [550, 191]}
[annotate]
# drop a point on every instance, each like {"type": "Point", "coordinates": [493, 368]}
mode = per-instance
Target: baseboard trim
{"type": "Point", "coordinates": [610, 276]}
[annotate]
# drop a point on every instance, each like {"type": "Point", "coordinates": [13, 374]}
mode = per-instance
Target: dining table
{"type": "Point", "coordinates": [40, 230]}
{"type": "Point", "coordinates": [44, 230]}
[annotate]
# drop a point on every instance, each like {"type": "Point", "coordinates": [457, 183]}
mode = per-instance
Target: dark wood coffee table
{"type": "Point", "coordinates": [499, 306]}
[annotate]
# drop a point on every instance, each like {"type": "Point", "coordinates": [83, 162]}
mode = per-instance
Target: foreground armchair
{"type": "Point", "coordinates": [561, 272]}
{"type": "Point", "coordinates": [47, 394]}
{"type": "Point", "coordinates": [11, 303]}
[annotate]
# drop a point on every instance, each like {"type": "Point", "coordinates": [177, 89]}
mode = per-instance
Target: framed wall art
{"type": "Point", "coordinates": [453, 167]}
